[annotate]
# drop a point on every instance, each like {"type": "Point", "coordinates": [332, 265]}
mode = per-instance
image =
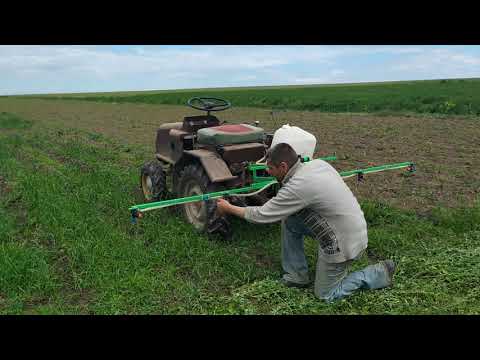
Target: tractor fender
{"type": "Point", "coordinates": [216, 169]}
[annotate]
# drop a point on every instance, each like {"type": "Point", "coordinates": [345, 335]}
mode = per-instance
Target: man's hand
{"type": "Point", "coordinates": [223, 206]}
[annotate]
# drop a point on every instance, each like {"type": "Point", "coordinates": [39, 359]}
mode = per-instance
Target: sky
{"type": "Point", "coordinates": [40, 69]}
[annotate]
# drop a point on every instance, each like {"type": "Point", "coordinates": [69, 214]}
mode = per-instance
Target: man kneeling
{"type": "Point", "coordinates": [314, 200]}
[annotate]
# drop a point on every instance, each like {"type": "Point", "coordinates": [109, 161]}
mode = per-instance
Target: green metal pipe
{"type": "Point", "coordinates": [259, 184]}
{"type": "Point", "coordinates": [203, 197]}
{"type": "Point", "coordinates": [377, 169]}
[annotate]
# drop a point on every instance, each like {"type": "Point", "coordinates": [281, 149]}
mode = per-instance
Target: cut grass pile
{"type": "Point", "coordinates": [448, 96]}
{"type": "Point", "coordinates": [67, 245]}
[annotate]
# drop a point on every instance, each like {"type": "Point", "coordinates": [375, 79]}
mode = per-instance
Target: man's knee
{"type": "Point", "coordinates": [327, 295]}
{"type": "Point", "coordinates": [329, 280]}
{"type": "Point", "coordinates": [320, 293]}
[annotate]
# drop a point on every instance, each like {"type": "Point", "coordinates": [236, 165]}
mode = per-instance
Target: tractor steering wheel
{"type": "Point", "coordinates": [209, 104]}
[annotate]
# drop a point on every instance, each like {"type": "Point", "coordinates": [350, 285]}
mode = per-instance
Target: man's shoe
{"type": "Point", "coordinates": [390, 266]}
{"type": "Point", "coordinates": [289, 283]}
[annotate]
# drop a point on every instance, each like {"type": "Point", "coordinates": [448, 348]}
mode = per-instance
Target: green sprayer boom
{"type": "Point", "coordinates": [259, 184]}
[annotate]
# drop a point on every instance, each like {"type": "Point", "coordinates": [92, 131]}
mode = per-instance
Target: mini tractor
{"type": "Point", "coordinates": [202, 158]}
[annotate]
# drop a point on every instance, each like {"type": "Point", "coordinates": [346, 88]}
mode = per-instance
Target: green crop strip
{"type": "Point", "coordinates": [452, 96]}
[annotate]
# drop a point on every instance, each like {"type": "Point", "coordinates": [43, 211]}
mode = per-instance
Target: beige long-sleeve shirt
{"type": "Point", "coordinates": [316, 193]}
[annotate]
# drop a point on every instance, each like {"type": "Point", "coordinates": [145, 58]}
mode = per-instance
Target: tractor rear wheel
{"type": "Point", "coordinates": [153, 181]}
{"type": "Point", "coordinates": [193, 180]}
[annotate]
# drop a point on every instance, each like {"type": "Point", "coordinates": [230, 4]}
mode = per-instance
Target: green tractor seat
{"type": "Point", "coordinates": [230, 134]}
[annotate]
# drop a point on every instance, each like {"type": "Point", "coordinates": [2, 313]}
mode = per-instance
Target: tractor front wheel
{"type": "Point", "coordinates": [194, 181]}
{"type": "Point", "coordinates": [153, 181]}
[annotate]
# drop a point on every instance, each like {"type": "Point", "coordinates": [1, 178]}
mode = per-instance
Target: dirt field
{"type": "Point", "coordinates": [446, 150]}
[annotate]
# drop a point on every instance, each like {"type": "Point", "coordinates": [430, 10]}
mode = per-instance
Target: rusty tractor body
{"type": "Point", "coordinates": [201, 154]}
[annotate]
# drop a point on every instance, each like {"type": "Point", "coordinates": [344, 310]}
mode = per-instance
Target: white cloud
{"type": "Point", "coordinates": [441, 62]}
{"type": "Point", "coordinates": [311, 80]}
{"type": "Point", "coordinates": [104, 68]}
{"type": "Point", "coordinates": [96, 60]}
{"type": "Point", "coordinates": [337, 72]}
{"type": "Point", "coordinates": [245, 78]}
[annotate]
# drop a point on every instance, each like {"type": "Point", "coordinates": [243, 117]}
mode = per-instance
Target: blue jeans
{"type": "Point", "coordinates": [332, 280]}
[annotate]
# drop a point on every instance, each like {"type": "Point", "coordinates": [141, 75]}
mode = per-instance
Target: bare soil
{"type": "Point", "coordinates": [445, 150]}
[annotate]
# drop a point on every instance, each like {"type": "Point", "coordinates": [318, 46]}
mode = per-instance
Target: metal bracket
{"type": "Point", "coordinates": [360, 177]}
{"type": "Point", "coordinates": [134, 213]}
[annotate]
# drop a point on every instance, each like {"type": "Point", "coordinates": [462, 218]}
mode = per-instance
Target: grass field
{"type": "Point", "coordinates": [69, 170]}
{"type": "Point", "coordinates": [448, 96]}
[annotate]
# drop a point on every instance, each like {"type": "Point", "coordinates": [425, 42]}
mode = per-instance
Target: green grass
{"type": "Point", "coordinates": [11, 121]}
{"type": "Point", "coordinates": [452, 96]}
{"type": "Point", "coordinates": [67, 245]}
